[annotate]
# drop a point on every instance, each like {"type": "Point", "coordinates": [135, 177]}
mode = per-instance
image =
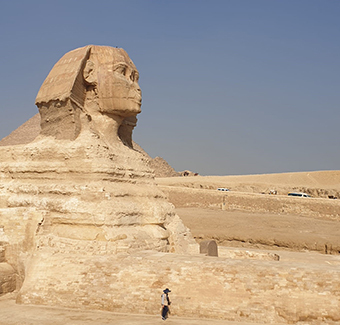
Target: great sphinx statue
{"type": "Point", "coordinates": [80, 189]}
{"type": "Point", "coordinates": [83, 224]}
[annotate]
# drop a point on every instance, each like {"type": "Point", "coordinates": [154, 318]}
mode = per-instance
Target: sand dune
{"type": "Point", "coordinates": [317, 183]}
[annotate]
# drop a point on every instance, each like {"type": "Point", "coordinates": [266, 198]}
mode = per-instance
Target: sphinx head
{"type": "Point", "coordinates": [91, 87]}
{"type": "Point", "coordinates": [114, 77]}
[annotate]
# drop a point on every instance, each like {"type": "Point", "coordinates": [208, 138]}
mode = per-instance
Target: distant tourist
{"type": "Point", "coordinates": [165, 304]}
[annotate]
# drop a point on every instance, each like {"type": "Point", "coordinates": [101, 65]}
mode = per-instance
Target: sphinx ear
{"type": "Point", "coordinates": [89, 73]}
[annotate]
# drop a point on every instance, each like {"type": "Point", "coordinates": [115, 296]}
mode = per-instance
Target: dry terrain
{"type": "Point", "coordinates": [13, 314]}
{"type": "Point", "coordinates": [245, 217]}
{"type": "Point", "coordinates": [256, 230]}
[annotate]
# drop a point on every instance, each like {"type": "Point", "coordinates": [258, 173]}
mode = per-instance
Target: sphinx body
{"type": "Point", "coordinates": [80, 189]}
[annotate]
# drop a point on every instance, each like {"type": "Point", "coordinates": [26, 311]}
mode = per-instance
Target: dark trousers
{"type": "Point", "coordinates": [165, 311]}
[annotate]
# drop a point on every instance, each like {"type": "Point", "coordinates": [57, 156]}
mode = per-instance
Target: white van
{"type": "Point", "coordinates": [299, 194]}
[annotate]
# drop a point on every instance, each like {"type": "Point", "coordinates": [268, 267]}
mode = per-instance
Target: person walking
{"type": "Point", "coordinates": [165, 303]}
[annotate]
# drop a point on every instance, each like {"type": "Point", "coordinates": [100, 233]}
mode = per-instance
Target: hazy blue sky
{"type": "Point", "coordinates": [229, 87]}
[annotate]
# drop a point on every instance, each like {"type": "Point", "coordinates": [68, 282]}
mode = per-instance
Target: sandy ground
{"type": "Point", "coordinates": [261, 220]}
{"type": "Point", "coordinates": [262, 230]}
{"type": "Point", "coordinates": [13, 314]}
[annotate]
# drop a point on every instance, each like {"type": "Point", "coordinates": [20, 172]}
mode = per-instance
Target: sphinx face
{"type": "Point", "coordinates": [116, 82]}
{"type": "Point", "coordinates": [100, 80]}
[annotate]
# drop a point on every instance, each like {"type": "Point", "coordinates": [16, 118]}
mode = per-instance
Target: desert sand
{"type": "Point", "coordinates": [13, 314]}
{"type": "Point", "coordinates": [248, 216]}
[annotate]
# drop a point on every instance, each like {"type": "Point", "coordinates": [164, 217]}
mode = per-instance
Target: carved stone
{"type": "Point", "coordinates": [91, 88]}
{"type": "Point", "coordinates": [80, 189]}
{"type": "Point", "coordinates": [209, 248]}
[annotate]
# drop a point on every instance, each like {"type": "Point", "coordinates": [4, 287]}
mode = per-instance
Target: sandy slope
{"type": "Point", "coordinates": [318, 183]}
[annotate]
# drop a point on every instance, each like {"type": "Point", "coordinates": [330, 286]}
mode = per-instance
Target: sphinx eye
{"type": "Point", "coordinates": [121, 69]}
{"type": "Point", "coordinates": [134, 76]}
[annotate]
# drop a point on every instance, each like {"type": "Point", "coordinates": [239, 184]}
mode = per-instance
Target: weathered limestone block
{"type": "Point", "coordinates": [253, 291]}
{"type": "Point", "coordinates": [247, 254]}
{"type": "Point", "coordinates": [89, 198]}
{"type": "Point", "coordinates": [208, 247]}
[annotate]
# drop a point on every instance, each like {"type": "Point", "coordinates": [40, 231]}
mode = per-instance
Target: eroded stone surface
{"type": "Point", "coordinates": [208, 247]}
{"type": "Point", "coordinates": [201, 286]}
{"type": "Point", "coordinates": [80, 188]}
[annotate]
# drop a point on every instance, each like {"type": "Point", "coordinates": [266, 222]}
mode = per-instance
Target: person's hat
{"type": "Point", "coordinates": [166, 290]}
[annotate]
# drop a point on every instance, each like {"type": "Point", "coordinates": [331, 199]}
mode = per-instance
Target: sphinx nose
{"type": "Point", "coordinates": [139, 92]}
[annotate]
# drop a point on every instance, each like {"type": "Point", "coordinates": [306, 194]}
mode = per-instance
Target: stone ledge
{"type": "Point", "coordinates": [202, 286]}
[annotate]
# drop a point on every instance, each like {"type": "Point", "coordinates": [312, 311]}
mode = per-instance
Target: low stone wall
{"type": "Point", "coordinates": [312, 207]}
{"type": "Point", "coordinates": [252, 291]}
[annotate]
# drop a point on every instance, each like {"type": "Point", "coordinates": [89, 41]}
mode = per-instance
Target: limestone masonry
{"type": "Point", "coordinates": [83, 224]}
{"type": "Point", "coordinates": [80, 188]}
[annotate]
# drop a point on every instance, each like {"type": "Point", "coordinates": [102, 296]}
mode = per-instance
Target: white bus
{"type": "Point", "coordinates": [299, 194]}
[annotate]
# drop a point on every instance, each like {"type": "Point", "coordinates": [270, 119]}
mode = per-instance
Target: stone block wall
{"type": "Point", "coordinates": [202, 286]}
{"type": "Point", "coordinates": [312, 207]}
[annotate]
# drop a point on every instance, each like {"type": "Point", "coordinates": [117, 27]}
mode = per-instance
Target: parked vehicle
{"type": "Point", "coordinates": [299, 194]}
{"type": "Point", "coordinates": [222, 189]}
